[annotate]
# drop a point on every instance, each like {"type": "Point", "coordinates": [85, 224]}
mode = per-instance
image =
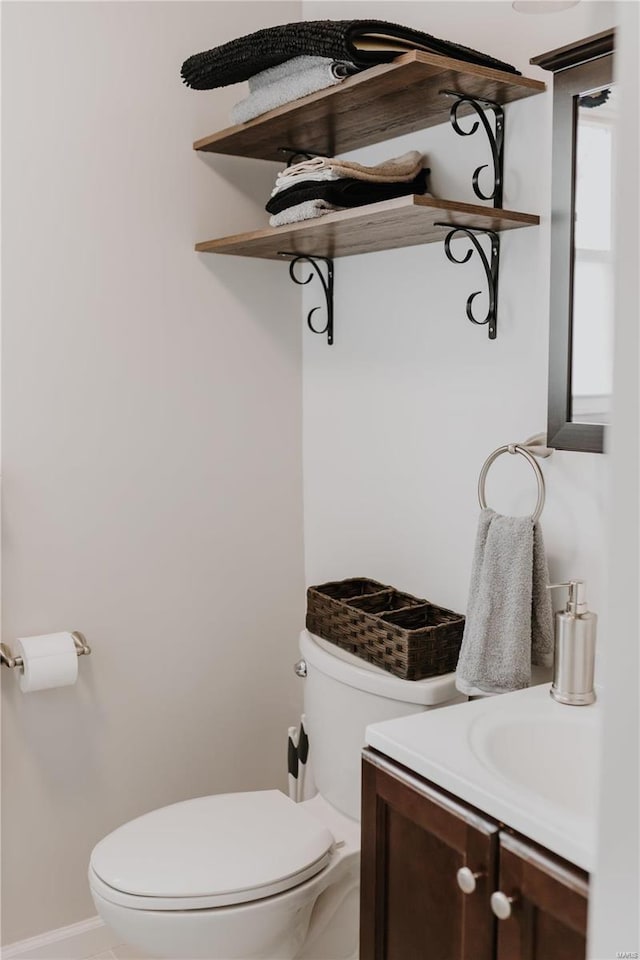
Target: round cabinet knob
{"type": "Point", "coordinates": [501, 905]}
{"type": "Point", "coordinates": [467, 879]}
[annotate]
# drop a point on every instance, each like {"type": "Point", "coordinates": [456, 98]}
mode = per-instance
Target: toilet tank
{"type": "Point", "coordinates": [342, 696]}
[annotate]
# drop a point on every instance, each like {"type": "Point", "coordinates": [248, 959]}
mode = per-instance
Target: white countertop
{"type": "Point", "coordinates": [522, 758]}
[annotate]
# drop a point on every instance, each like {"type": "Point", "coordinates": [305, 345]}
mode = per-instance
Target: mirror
{"type": "Point", "coordinates": [592, 328]}
{"type": "Point", "coordinates": [582, 258]}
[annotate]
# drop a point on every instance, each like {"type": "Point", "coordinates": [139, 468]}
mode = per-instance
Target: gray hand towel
{"type": "Point", "coordinates": [509, 622]}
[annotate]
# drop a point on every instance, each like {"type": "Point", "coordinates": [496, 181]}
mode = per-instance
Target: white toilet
{"type": "Point", "coordinates": [255, 876]}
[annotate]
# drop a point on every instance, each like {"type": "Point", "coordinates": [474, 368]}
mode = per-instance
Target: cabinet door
{"type": "Point", "coordinates": [548, 910]}
{"type": "Point", "coordinates": [414, 840]}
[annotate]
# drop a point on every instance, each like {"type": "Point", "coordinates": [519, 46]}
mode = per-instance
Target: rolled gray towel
{"type": "Point", "coordinates": [292, 85]}
{"type": "Point", "coordinates": [341, 68]}
{"type": "Point", "coordinates": [509, 623]}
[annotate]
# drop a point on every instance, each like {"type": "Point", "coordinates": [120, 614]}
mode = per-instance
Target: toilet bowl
{"type": "Point", "coordinates": [233, 876]}
{"type": "Point", "coordinates": [255, 876]}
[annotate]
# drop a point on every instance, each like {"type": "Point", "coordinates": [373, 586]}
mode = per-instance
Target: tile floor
{"type": "Point", "coordinates": [121, 952]}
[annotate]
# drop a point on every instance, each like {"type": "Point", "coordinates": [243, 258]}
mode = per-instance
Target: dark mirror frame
{"type": "Point", "coordinates": [578, 67]}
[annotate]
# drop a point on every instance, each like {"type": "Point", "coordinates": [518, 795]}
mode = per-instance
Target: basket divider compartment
{"type": "Point", "coordinates": [417, 618]}
{"type": "Point", "coordinates": [349, 589]}
{"type": "Point", "coordinates": [386, 601]}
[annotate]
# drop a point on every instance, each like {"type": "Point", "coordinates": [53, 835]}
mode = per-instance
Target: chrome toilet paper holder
{"type": "Point", "coordinates": [8, 660]}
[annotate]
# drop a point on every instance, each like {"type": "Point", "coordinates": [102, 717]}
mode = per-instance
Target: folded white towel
{"type": "Point", "coordinates": [291, 67]}
{"type": "Point", "coordinates": [509, 621]}
{"type": "Point", "coordinates": [283, 182]}
{"type": "Point", "coordinates": [292, 86]}
{"type": "Point", "coordinates": [308, 210]}
{"type": "Point", "coordinates": [311, 164]}
{"type": "Point", "coordinates": [400, 169]}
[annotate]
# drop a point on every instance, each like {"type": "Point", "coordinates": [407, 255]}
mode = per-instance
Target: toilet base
{"type": "Point", "coordinates": [338, 938]}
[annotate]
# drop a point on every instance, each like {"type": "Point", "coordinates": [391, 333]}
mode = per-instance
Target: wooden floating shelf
{"type": "Point", "coordinates": [403, 222]}
{"type": "Point", "coordinates": [382, 102]}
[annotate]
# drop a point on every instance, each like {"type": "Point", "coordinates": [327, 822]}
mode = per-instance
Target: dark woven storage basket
{"type": "Point", "coordinates": [409, 637]}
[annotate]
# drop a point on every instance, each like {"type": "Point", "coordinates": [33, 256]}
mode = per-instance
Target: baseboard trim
{"type": "Point", "coordinates": [79, 941]}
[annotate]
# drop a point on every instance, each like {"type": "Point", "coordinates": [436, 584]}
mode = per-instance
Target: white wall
{"type": "Point", "coordinates": [152, 440]}
{"type": "Point", "coordinates": [615, 904]}
{"type": "Point", "coordinates": [400, 414]}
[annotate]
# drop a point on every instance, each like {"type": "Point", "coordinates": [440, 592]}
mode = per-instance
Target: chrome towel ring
{"type": "Point", "coordinates": [530, 449]}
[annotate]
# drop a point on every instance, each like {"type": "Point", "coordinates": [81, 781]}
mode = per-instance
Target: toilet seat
{"type": "Point", "coordinates": [211, 852]}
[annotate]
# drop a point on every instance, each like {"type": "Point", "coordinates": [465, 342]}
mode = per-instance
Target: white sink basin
{"type": "Point", "coordinates": [522, 758]}
{"type": "Point", "coordinates": [553, 757]}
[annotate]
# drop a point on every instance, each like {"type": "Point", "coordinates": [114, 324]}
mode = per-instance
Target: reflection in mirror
{"type": "Point", "coordinates": [592, 321]}
{"type": "Point", "coordinates": [581, 287]}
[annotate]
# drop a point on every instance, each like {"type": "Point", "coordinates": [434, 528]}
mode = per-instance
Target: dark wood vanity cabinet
{"type": "Point", "coordinates": [415, 839]}
{"type": "Point", "coordinates": [549, 911]}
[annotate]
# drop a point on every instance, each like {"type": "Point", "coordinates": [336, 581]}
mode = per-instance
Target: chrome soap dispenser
{"type": "Point", "coordinates": [575, 648]}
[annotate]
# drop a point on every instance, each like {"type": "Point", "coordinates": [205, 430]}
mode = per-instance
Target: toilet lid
{"type": "Point", "coordinates": [211, 851]}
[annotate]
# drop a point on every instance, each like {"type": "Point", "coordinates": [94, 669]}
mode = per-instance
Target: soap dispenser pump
{"type": "Point", "coordinates": [575, 647]}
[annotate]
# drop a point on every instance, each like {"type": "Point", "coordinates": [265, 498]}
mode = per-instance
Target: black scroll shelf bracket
{"type": "Point", "coordinates": [491, 269]}
{"type": "Point", "coordinates": [293, 155]}
{"type": "Point", "coordinates": [496, 140]}
{"type": "Point", "coordinates": [326, 279]}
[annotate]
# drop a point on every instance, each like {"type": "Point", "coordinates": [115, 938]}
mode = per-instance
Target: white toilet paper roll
{"type": "Point", "coordinates": [48, 661]}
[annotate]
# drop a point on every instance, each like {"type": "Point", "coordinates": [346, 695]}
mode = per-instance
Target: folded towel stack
{"type": "Point", "coordinates": [396, 170]}
{"type": "Point", "coordinates": [321, 185]}
{"type": "Point", "coordinates": [509, 622]}
{"type": "Point", "coordinates": [290, 61]}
